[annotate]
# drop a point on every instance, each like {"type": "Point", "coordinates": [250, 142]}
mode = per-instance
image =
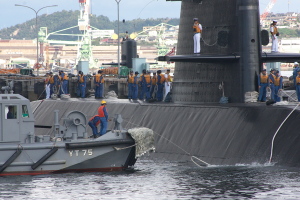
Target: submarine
{"type": "Point", "coordinates": [195, 124]}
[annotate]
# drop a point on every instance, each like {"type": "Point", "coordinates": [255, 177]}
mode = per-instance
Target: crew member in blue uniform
{"type": "Point", "coordinates": [298, 85]}
{"type": "Point", "coordinates": [81, 84]}
{"type": "Point", "coordinates": [295, 71]}
{"type": "Point", "coordinates": [141, 86]}
{"type": "Point", "coordinates": [64, 83]}
{"type": "Point", "coordinates": [146, 83]}
{"type": "Point", "coordinates": [51, 82]}
{"type": "Point", "coordinates": [160, 86]}
{"type": "Point", "coordinates": [271, 83]}
{"type": "Point", "coordinates": [153, 84]}
{"type": "Point", "coordinates": [99, 84]}
{"type": "Point", "coordinates": [102, 113]}
{"type": "Point", "coordinates": [277, 86]}
{"type": "Point", "coordinates": [135, 86]}
{"type": "Point", "coordinates": [93, 123]}
{"type": "Point", "coordinates": [130, 80]}
{"type": "Point", "coordinates": [262, 85]}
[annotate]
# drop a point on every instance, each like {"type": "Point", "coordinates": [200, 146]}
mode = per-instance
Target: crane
{"type": "Point", "coordinates": [267, 10]}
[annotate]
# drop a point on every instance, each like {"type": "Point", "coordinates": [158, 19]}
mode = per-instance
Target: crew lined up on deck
{"type": "Point", "coordinates": [272, 81]}
{"type": "Point", "coordinates": [155, 87]}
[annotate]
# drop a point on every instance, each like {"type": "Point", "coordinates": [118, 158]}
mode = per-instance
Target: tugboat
{"type": "Point", "coordinates": [68, 148]}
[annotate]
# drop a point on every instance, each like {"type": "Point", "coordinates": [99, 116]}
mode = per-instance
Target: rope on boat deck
{"type": "Point", "coordinates": [192, 157]}
{"type": "Point", "coordinates": [272, 145]}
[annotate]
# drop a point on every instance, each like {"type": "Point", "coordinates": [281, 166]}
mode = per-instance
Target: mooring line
{"type": "Point", "coordinates": [177, 147]}
{"type": "Point", "coordinates": [272, 145]}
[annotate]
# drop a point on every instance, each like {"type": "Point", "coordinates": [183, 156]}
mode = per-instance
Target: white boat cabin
{"type": "Point", "coordinates": [17, 120]}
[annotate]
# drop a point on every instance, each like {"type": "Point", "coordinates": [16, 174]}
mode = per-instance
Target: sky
{"type": "Point", "coordinates": [129, 9]}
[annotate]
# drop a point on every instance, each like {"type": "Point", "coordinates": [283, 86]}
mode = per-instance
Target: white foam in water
{"type": "Point", "coordinates": [144, 139]}
{"type": "Point", "coordinates": [254, 164]}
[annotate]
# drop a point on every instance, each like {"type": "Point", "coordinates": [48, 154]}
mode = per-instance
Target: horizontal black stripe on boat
{"type": "Point", "coordinates": [77, 145]}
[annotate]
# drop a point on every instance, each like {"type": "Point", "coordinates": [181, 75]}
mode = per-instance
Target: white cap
{"type": "Point", "coordinates": [296, 63]}
{"type": "Point", "coordinates": [195, 19]}
{"type": "Point", "coordinates": [275, 21]}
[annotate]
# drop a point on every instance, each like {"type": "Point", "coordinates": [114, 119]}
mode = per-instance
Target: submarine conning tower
{"type": "Point", "coordinates": [230, 51]}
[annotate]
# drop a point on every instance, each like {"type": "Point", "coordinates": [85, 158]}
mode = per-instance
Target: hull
{"type": "Point", "coordinates": [90, 155]}
{"type": "Point", "coordinates": [218, 134]}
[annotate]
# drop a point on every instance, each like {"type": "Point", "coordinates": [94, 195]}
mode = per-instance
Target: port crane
{"type": "Point", "coordinates": [84, 41]}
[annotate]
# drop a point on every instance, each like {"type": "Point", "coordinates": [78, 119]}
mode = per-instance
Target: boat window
{"type": "Point", "coordinates": [25, 113]}
{"type": "Point", "coordinates": [10, 112]}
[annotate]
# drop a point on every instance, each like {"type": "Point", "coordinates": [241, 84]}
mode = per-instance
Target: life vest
{"type": "Point", "coordinates": [271, 81]}
{"type": "Point", "coordinates": [169, 79]}
{"type": "Point", "coordinates": [81, 79]}
{"type": "Point", "coordinates": [154, 80]}
{"type": "Point", "coordinates": [141, 77]}
{"type": "Point", "coordinates": [196, 28]}
{"type": "Point", "coordinates": [65, 78]}
{"type": "Point", "coordinates": [147, 79]}
{"type": "Point", "coordinates": [130, 78]}
{"type": "Point", "coordinates": [101, 111]}
{"type": "Point", "coordinates": [275, 30]}
{"type": "Point", "coordinates": [277, 80]}
{"type": "Point", "coordinates": [99, 78]}
{"type": "Point", "coordinates": [298, 80]}
{"type": "Point", "coordinates": [160, 78]}
{"type": "Point", "coordinates": [98, 122]}
{"type": "Point", "coordinates": [51, 80]}
{"type": "Point", "coordinates": [263, 78]}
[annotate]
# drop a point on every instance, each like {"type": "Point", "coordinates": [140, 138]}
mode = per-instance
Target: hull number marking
{"type": "Point", "coordinates": [84, 152]}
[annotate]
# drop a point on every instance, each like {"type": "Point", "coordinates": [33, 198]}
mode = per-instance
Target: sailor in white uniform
{"type": "Point", "coordinates": [274, 33]}
{"type": "Point", "coordinates": [197, 35]}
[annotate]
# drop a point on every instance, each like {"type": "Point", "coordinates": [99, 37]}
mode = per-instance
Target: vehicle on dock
{"type": "Point", "coordinates": [68, 149]}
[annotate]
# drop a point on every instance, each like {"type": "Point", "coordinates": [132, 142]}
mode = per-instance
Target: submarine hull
{"type": "Point", "coordinates": [217, 134]}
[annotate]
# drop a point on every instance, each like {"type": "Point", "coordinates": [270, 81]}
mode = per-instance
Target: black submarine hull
{"type": "Point", "coordinates": [217, 134]}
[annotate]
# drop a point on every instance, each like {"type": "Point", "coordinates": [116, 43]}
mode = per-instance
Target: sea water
{"type": "Point", "coordinates": [160, 179]}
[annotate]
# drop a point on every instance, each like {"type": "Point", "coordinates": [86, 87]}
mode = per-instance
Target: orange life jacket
{"type": "Point", "coordinates": [168, 79]}
{"type": "Point", "coordinates": [51, 79]}
{"type": "Point", "coordinates": [277, 80]}
{"type": "Point", "coordinates": [271, 79]}
{"type": "Point", "coordinates": [298, 80]}
{"type": "Point", "coordinates": [154, 80]}
{"type": "Point", "coordinates": [98, 78]}
{"type": "Point", "coordinates": [162, 78]}
{"type": "Point", "coordinates": [197, 28]}
{"type": "Point", "coordinates": [263, 78]}
{"type": "Point", "coordinates": [275, 30]}
{"type": "Point", "coordinates": [130, 78]}
{"type": "Point", "coordinates": [147, 78]}
{"type": "Point", "coordinates": [101, 112]}
{"type": "Point", "coordinates": [81, 79]}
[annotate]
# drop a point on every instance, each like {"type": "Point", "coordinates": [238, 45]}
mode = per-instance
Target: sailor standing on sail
{"type": "Point", "coordinates": [197, 35]}
{"type": "Point", "coordinates": [274, 33]}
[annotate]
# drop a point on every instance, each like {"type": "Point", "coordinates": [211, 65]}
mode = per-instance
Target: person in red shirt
{"type": "Point", "coordinates": [102, 113]}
